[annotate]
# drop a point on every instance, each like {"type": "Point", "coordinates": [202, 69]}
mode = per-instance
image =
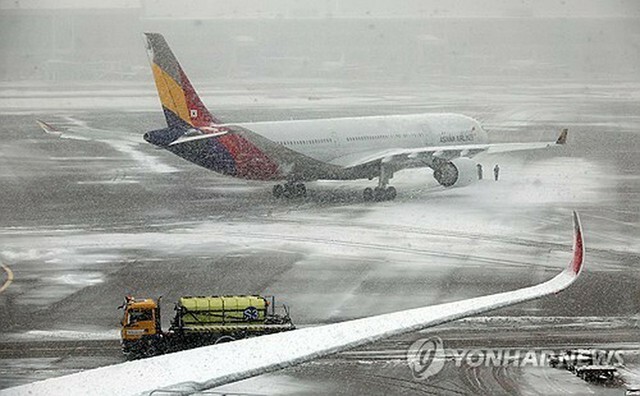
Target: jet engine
{"type": "Point", "coordinates": [458, 172]}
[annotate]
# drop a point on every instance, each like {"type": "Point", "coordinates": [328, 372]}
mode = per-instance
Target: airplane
{"type": "Point", "coordinates": [212, 366]}
{"type": "Point", "coordinates": [298, 151]}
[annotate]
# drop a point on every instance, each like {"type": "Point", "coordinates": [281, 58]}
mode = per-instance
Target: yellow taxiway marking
{"type": "Point", "coordinates": [9, 277]}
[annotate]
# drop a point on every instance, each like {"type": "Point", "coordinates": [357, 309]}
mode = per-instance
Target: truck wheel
{"type": "Point", "coordinates": [150, 351]}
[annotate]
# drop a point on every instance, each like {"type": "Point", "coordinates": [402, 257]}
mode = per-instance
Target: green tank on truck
{"type": "Point", "coordinates": [198, 321]}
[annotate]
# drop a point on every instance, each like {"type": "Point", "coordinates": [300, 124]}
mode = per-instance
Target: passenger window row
{"type": "Point", "coordinates": [311, 141]}
{"type": "Point", "coordinates": [351, 139]}
{"type": "Point", "coordinates": [376, 137]}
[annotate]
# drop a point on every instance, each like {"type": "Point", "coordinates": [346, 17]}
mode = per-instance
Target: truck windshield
{"type": "Point", "coordinates": [139, 315]}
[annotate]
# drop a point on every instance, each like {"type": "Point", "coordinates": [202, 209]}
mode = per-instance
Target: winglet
{"type": "Point", "coordinates": [49, 129]}
{"type": "Point", "coordinates": [575, 265]}
{"type": "Point", "coordinates": [562, 139]}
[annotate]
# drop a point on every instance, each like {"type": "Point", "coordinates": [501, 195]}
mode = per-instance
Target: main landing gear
{"type": "Point", "coordinates": [379, 194]}
{"type": "Point", "coordinates": [382, 192]}
{"type": "Point", "coordinates": [290, 190]}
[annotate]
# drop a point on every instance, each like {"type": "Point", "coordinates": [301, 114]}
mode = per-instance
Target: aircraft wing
{"type": "Point", "coordinates": [87, 133]}
{"type": "Point", "coordinates": [442, 152]}
{"type": "Point", "coordinates": [212, 366]}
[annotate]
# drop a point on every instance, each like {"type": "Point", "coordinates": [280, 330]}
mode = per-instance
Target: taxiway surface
{"type": "Point", "coordinates": [85, 223]}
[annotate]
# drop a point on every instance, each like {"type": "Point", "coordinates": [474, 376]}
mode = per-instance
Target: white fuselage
{"type": "Point", "coordinates": [334, 140]}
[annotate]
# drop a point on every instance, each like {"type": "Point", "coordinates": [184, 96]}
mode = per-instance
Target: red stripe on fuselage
{"type": "Point", "coordinates": [251, 162]}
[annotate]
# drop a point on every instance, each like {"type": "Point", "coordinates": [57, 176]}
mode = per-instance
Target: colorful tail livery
{"type": "Point", "coordinates": [181, 104]}
{"type": "Point", "coordinates": [211, 145]}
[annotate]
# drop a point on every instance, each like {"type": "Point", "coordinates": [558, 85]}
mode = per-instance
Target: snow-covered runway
{"type": "Point", "coordinates": [80, 234]}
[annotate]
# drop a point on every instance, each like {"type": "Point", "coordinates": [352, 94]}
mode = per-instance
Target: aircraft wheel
{"type": "Point", "coordinates": [367, 194]}
{"type": "Point", "coordinates": [289, 191]}
{"type": "Point", "coordinates": [390, 193]}
{"type": "Point", "coordinates": [278, 191]}
{"type": "Point", "coordinates": [302, 190]}
{"type": "Point", "coordinates": [379, 194]}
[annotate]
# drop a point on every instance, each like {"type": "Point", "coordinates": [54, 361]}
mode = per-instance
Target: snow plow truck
{"type": "Point", "coordinates": [198, 321]}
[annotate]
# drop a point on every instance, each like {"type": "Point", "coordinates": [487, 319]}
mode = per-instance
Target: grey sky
{"type": "Point", "coordinates": [350, 8]}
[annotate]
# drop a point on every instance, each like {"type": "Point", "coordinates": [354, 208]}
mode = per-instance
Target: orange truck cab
{"type": "Point", "coordinates": [141, 318]}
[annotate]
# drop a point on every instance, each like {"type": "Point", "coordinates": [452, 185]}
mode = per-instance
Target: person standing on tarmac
{"type": "Point", "coordinates": [496, 172]}
{"type": "Point", "coordinates": [479, 166]}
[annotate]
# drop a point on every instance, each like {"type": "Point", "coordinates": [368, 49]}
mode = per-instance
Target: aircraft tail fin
{"type": "Point", "coordinates": [562, 139]}
{"type": "Point", "coordinates": [181, 104]}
